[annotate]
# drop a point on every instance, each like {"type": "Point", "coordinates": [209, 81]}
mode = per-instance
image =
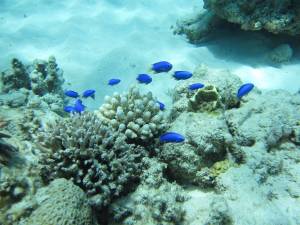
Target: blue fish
{"type": "Point", "coordinates": [182, 75]}
{"type": "Point", "coordinates": [112, 82]}
{"type": "Point", "coordinates": [78, 106]}
{"type": "Point", "coordinates": [69, 109]}
{"type": "Point", "coordinates": [162, 66]}
{"type": "Point", "coordinates": [144, 78]}
{"type": "Point", "coordinates": [161, 105]}
{"type": "Point", "coordinates": [72, 94]}
{"type": "Point", "coordinates": [244, 89]}
{"type": "Point", "coordinates": [195, 86]}
{"type": "Point", "coordinates": [171, 137]}
{"type": "Point", "coordinates": [89, 93]}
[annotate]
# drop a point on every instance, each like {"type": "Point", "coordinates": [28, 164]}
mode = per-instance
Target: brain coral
{"type": "Point", "coordinates": [92, 155]}
{"type": "Point", "coordinates": [61, 203]}
{"type": "Point", "coordinates": [135, 114]}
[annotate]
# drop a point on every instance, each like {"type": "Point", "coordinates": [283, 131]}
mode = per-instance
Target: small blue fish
{"type": "Point", "coordinates": [171, 137]}
{"type": "Point", "coordinates": [89, 93]}
{"type": "Point", "coordinates": [161, 105]}
{"type": "Point", "coordinates": [195, 86]}
{"type": "Point", "coordinates": [72, 94]}
{"type": "Point", "coordinates": [244, 89]}
{"type": "Point", "coordinates": [144, 78]}
{"type": "Point", "coordinates": [112, 82]}
{"type": "Point", "coordinates": [162, 66]}
{"type": "Point", "coordinates": [182, 75]}
{"type": "Point", "coordinates": [69, 109]}
{"type": "Point", "coordinates": [78, 106]}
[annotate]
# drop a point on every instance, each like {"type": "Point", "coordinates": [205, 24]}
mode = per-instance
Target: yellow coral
{"type": "Point", "coordinates": [220, 167]}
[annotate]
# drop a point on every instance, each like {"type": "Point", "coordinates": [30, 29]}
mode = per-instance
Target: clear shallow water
{"type": "Point", "coordinates": [96, 40]}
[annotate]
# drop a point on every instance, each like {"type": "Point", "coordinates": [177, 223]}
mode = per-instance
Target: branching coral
{"type": "Point", "coordinates": [135, 114]}
{"type": "Point", "coordinates": [92, 155]}
{"type": "Point", "coordinates": [15, 78]}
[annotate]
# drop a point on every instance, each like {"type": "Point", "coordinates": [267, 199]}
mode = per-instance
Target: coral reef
{"type": "Point", "coordinates": [38, 85]}
{"type": "Point", "coordinates": [208, 141]}
{"type": "Point", "coordinates": [219, 213]}
{"type": "Point", "coordinates": [281, 54]}
{"type": "Point", "coordinates": [7, 151]}
{"type": "Point", "coordinates": [135, 114]}
{"type": "Point", "coordinates": [41, 77]}
{"type": "Point", "coordinates": [61, 202]}
{"type": "Point", "coordinates": [155, 201]}
{"type": "Point", "coordinates": [15, 78]}
{"type": "Point", "coordinates": [221, 86]}
{"type": "Point", "coordinates": [273, 16]}
{"type": "Point", "coordinates": [92, 155]}
{"type": "Point", "coordinates": [46, 77]}
{"type": "Point", "coordinates": [197, 27]}
{"type": "Point", "coordinates": [263, 120]}
{"type": "Point", "coordinates": [205, 99]}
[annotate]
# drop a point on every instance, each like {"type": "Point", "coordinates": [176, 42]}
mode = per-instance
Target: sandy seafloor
{"type": "Point", "coordinates": [94, 41]}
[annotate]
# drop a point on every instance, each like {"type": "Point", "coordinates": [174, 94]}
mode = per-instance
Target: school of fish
{"type": "Point", "coordinates": [143, 78]}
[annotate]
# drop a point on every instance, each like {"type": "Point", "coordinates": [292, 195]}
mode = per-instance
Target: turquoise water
{"type": "Point", "coordinates": [216, 144]}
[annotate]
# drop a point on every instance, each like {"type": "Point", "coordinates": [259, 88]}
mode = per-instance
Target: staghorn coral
{"type": "Point", "coordinates": [61, 202]}
{"type": "Point", "coordinates": [135, 114]}
{"type": "Point", "coordinates": [92, 155]}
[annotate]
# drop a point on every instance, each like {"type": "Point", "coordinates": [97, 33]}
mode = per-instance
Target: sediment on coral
{"type": "Point", "coordinates": [91, 154]}
{"type": "Point", "coordinates": [135, 114]}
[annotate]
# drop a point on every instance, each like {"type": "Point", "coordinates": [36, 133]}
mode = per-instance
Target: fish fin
{"type": "Point", "coordinates": [150, 70]}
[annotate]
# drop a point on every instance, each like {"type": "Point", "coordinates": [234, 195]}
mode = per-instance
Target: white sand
{"type": "Point", "coordinates": [95, 40]}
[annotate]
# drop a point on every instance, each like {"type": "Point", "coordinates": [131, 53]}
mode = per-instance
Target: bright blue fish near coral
{"type": "Point", "coordinates": [69, 109]}
{"type": "Point", "coordinates": [182, 75]}
{"type": "Point", "coordinates": [144, 78]}
{"type": "Point", "coordinates": [161, 105]}
{"type": "Point", "coordinates": [195, 86]}
{"type": "Point", "coordinates": [244, 89]}
{"type": "Point", "coordinates": [89, 93]}
{"type": "Point", "coordinates": [162, 66]}
{"type": "Point", "coordinates": [78, 106]}
{"type": "Point", "coordinates": [72, 94]}
{"type": "Point", "coordinates": [113, 81]}
{"type": "Point", "coordinates": [171, 137]}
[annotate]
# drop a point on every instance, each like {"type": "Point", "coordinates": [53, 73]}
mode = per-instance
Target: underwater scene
{"type": "Point", "coordinates": [139, 112]}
